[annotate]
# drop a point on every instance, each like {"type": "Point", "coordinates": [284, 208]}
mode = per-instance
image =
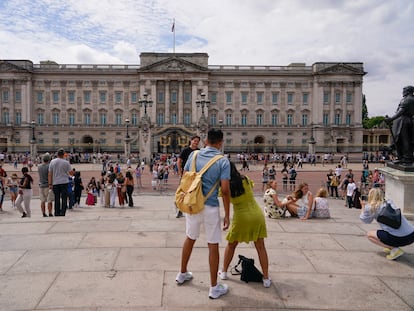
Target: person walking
{"type": "Point", "coordinates": [389, 238]}
{"type": "Point", "coordinates": [210, 215]}
{"type": "Point", "coordinates": [25, 193]}
{"type": "Point", "coordinates": [248, 224]}
{"type": "Point", "coordinates": [58, 181]}
{"type": "Point", "coordinates": [45, 194]}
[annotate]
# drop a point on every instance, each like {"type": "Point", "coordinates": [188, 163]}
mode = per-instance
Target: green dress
{"type": "Point", "coordinates": [248, 222]}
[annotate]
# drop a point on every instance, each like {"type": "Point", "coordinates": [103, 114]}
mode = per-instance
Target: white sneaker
{"type": "Point", "coordinates": [267, 282]}
{"type": "Point", "coordinates": [222, 275]}
{"type": "Point", "coordinates": [217, 291]}
{"type": "Point", "coordinates": [182, 277]}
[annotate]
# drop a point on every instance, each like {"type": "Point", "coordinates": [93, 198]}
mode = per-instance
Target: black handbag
{"type": "Point", "coordinates": [248, 272]}
{"type": "Point", "coordinates": [390, 216]}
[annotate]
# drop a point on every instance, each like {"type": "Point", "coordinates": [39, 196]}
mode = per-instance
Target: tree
{"type": "Point", "coordinates": [364, 108]}
{"type": "Point", "coordinates": [367, 122]}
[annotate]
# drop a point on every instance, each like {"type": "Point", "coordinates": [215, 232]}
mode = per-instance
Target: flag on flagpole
{"type": "Point", "coordinates": [173, 26]}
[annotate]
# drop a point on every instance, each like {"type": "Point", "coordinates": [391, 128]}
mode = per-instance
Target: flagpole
{"type": "Point", "coordinates": [173, 30]}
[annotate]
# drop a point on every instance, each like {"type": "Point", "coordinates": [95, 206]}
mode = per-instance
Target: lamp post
{"type": "Point", "coordinates": [33, 141]}
{"type": "Point", "coordinates": [127, 140]}
{"type": "Point", "coordinates": [146, 102]}
{"type": "Point", "coordinates": [311, 143]}
{"type": "Point", "coordinates": [202, 102]}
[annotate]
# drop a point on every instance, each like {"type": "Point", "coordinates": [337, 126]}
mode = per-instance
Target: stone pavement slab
{"type": "Point", "coordinates": [127, 259]}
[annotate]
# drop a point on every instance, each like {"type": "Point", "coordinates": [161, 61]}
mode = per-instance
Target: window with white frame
{"type": "Point", "coordinates": [289, 119]}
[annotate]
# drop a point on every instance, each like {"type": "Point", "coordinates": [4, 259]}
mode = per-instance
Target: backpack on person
{"type": "Point", "coordinates": [189, 196]}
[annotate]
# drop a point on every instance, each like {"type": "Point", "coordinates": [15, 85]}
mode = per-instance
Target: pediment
{"type": "Point", "coordinates": [173, 64]}
{"type": "Point", "coordinates": [6, 66]}
{"type": "Point", "coordinates": [341, 68]}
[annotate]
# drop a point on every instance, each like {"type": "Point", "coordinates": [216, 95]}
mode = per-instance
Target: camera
{"type": "Point", "coordinates": [364, 197]}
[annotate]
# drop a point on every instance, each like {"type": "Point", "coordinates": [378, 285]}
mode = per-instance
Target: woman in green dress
{"type": "Point", "coordinates": [248, 224]}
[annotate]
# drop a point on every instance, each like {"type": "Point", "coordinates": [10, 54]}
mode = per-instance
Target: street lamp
{"type": "Point", "coordinates": [127, 125]}
{"type": "Point", "coordinates": [203, 102]}
{"type": "Point", "coordinates": [146, 102]}
{"type": "Point", "coordinates": [32, 124]}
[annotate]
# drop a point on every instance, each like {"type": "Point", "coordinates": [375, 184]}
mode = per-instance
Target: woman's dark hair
{"type": "Point", "coordinates": [236, 181]}
{"type": "Point", "coordinates": [128, 175]}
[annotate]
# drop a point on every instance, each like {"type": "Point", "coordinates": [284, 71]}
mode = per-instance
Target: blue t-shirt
{"type": "Point", "coordinates": [220, 170]}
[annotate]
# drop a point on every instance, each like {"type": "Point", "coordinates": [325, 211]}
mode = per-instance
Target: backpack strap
{"type": "Point", "coordinates": [193, 162]}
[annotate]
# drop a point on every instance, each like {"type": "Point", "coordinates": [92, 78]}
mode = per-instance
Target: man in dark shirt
{"type": "Point", "coordinates": [182, 159]}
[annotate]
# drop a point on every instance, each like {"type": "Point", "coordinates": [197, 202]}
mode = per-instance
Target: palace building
{"type": "Point", "coordinates": [156, 106]}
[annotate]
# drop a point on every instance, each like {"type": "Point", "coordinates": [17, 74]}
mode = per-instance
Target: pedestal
{"type": "Point", "coordinates": [399, 187]}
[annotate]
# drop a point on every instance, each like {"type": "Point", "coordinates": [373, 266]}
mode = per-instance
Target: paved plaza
{"type": "Point", "coordinates": [127, 259]}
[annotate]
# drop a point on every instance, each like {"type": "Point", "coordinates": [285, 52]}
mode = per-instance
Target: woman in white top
{"type": "Point", "coordinates": [305, 202]}
{"type": "Point", "coordinates": [320, 206]}
{"type": "Point", "coordinates": [389, 238]}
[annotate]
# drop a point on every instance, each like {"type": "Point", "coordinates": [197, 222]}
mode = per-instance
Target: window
{"type": "Point", "coordinates": [228, 119]}
{"type": "Point", "coordinates": [187, 118]}
{"type": "Point", "coordinates": [55, 117]}
{"type": "Point", "coordinates": [348, 97]}
{"type": "Point", "coordinates": [40, 118]}
{"type": "Point", "coordinates": [274, 119]}
{"type": "Point", "coordinates": [337, 119]}
{"type": "Point", "coordinates": [71, 118]}
{"type": "Point", "coordinates": [160, 118]}
{"type": "Point", "coordinates": [259, 97]}
{"type": "Point", "coordinates": [290, 98]}
{"type": "Point", "coordinates": [173, 118]}
{"type": "Point", "coordinates": [244, 119]}
{"type": "Point", "coordinates": [275, 97]}
{"type": "Point", "coordinates": [213, 97]}
{"type": "Point", "coordinates": [18, 117]}
{"type": "Point", "coordinates": [289, 119]}
{"type": "Point", "coordinates": [305, 97]}
{"type": "Point", "coordinates": [326, 98]}
{"type": "Point", "coordinates": [118, 118]}
{"type": "Point", "coordinates": [213, 119]}
{"type": "Point", "coordinates": [174, 96]}
{"type": "Point", "coordinates": [87, 118]}
{"type": "Point", "coordinates": [325, 119]}
{"type": "Point", "coordinates": [244, 97]}
{"type": "Point", "coordinates": [259, 119]}
{"type": "Point", "coordinates": [187, 97]}
{"type": "Point", "coordinates": [348, 119]}
{"type": "Point", "coordinates": [102, 97]}
{"type": "Point", "coordinates": [134, 97]}
{"type": "Point", "coordinates": [118, 97]}
{"type": "Point", "coordinates": [71, 97]}
{"type": "Point", "coordinates": [289, 141]}
{"type": "Point", "coordinates": [229, 97]}
{"type": "Point", "coordinates": [6, 117]}
{"type": "Point", "coordinates": [5, 96]}
{"type": "Point", "coordinates": [102, 117]}
{"type": "Point", "coordinates": [134, 119]}
{"type": "Point", "coordinates": [87, 97]}
{"type": "Point", "coordinates": [39, 97]}
{"type": "Point", "coordinates": [304, 119]}
{"type": "Point", "coordinates": [18, 96]}
{"type": "Point", "coordinates": [337, 98]}
{"type": "Point", "coordinates": [55, 97]}
{"type": "Point", "coordinates": [160, 97]}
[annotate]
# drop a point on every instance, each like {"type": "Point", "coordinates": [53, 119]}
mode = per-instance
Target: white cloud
{"type": "Point", "coordinates": [260, 32]}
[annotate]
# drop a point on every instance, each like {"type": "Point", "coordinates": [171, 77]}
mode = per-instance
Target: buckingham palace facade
{"type": "Point", "coordinates": [156, 106]}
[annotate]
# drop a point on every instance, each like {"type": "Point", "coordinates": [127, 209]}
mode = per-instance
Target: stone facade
{"type": "Point", "coordinates": [260, 108]}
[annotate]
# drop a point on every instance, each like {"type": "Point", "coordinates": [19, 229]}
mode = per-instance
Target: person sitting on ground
{"type": "Point", "coordinates": [389, 238]}
{"type": "Point", "coordinates": [302, 203]}
{"type": "Point", "coordinates": [274, 208]}
{"type": "Point", "coordinates": [320, 206]}
{"type": "Point", "coordinates": [248, 224]}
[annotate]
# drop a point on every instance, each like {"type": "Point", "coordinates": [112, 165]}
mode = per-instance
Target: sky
{"type": "Point", "coordinates": [378, 33]}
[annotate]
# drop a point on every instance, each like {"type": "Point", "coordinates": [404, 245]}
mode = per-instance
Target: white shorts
{"type": "Point", "coordinates": [210, 217]}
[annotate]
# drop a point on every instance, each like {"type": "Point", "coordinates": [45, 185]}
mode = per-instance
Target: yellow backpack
{"type": "Point", "coordinates": [189, 196]}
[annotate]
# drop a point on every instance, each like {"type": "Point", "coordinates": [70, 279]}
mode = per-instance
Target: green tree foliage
{"type": "Point", "coordinates": [367, 122]}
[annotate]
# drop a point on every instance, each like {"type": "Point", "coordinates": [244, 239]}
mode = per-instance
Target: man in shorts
{"type": "Point", "coordinates": [210, 215]}
{"type": "Point", "coordinates": [45, 194]}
